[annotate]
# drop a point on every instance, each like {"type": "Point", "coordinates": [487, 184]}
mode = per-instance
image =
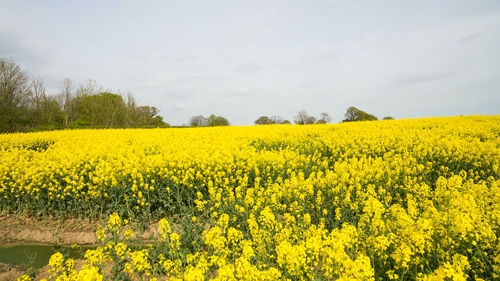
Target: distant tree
{"type": "Point", "coordinates": [87, 106]}
{"type": "Point", "coordinates": [132, 112]}
{"type": "Point", "coordinates": [388, 118]}
{"type": "Point", "coordinates": [37, 97]}
{"type": "Point", "coordinates": [217, 121]}
{"type": "Point", "coordinates": [198, 121]}
{"type": "Point", "coordinates": [222, 121]}
{"type": "Point", "coordinates": [286, 122]}
{"type": "Point", "coordinates": [276, 119]}
{"type": "Point", "coordinates": [354, 114]}
{"type": "Point", "coordinates": [157, 121]}
{"type": "Point", "coordinates": [45, 111]}
{"type": "Point", "coordinates": [66, 100]}
{"type": "Point", "coordinates": [212, 121]}
{"type": "Point", "coordinates": [90, 88]}
{"type": "Point", "coordinates": [52, 114]}
{"type": "Point", "coordinates": [112, 111]}
{"type": "Point", "coordinates": [14, 96]}
{"type": "Point", "coordinates": [106, 110]}
{"type": "Point", "coordinates": [324, 118]}
{"type": "Point", "coordinates": [263, 120]}
{"type": "Point", "coordinates": [302, 118]}
{"type": "Point", "coordinates": [25, 105]}
{"type": "Point", "coordinates": [311, 120]}
{"type": "Point", "coordinates": [368, 117]}
{"type": "Point", "coordinates": [147, 115]}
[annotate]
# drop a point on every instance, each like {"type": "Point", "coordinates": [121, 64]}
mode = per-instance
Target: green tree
{"type": "Point", "coordinates": [263, 120]}
{"type": "Point", "coordinates": [24, 104]}
{"type": "Point", "coordinates": [217, 121]}
{"type": "Point", "coordinates": [103, 110]}
{"type": "Point", "coordinates": [52, 114]}
{"type": "Point", "coordinates": [354, 114]}
{"type": "Point", "coordinates": [112, 110]}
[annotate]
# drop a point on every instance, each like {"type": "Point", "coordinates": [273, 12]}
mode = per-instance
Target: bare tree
{"type": "Point", "coordinates": [14, 95]}
{"type": "Point", "coordinates": [310, 120]}
{"type": "Point", "coordinates": [324, 118]}
{"type": "Point", "coordinates": [37, 99]}
{"type": "Point", "coordinates": [37, 89]}
{"type": "Point", "coordinates": [89, 88]}
{"type": "Point", "coordinates": [302, 118]}
{"type": "Point", "coordinates": [131, 109]}
{"type": "Point", "coordinates": [66, 100]}
{"type": "Point", "coordinates": [276, 119]}
{"type": "Point", "coordinates": [198, 121]}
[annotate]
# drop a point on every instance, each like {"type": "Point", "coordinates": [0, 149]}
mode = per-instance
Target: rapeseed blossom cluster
{"type": "Point", "coordinates": [62, 269]}
{"type": "Point", "coordinates": [387, 200]}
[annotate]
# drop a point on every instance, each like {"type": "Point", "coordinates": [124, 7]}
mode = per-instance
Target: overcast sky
{"type": "Point", "coordinates": [244, 59]}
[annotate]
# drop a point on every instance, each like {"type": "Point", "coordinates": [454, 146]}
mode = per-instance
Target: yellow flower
{"type": "Point", "coordinates": [164, 229]}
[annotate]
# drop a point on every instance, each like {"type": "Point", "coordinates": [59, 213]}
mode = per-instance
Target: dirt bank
{"type": "Point", "coordinates": [9, 272]}
{"type": "Point", "coordinates": [16, 229]}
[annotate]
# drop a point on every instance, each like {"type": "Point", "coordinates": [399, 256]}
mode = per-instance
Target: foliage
{"type": "Point", "coordinates": [354, 114]}
{"type": "Point", "coordinates": [264, 120]}
{"type": "Point", "coordinates": [211, 121]}
{"type": "Point", "coordinates": [25, 106]}
{"type": "Point", "coordinates": [401, 200]}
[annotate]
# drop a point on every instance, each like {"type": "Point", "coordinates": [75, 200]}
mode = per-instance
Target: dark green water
{"type": "Point", "coordinates": [37, 255]}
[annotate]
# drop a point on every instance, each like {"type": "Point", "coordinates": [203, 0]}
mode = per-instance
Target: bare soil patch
{"type": "Point", "coordinates": [17, 229]}
{"type": "Point", "coordinates": [9, 272]}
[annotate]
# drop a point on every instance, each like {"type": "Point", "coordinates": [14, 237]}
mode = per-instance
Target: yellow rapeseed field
{"type": "Point", "coordinates": [386, 200]}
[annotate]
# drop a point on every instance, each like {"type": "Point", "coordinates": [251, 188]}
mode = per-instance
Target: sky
{"type": "Point", "coordinates": [243, 59]}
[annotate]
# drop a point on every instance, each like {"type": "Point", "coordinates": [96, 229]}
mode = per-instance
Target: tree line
{"type": "Point", "coordinates": [25, 105]}
{"type": "Point", "coordinates": [303, 118]}
{"type": "Point", "coordinates": [210, 121]}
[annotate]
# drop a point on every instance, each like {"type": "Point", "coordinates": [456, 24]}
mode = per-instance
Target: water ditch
{"type": "Point", "coordinates": [38, 256]}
